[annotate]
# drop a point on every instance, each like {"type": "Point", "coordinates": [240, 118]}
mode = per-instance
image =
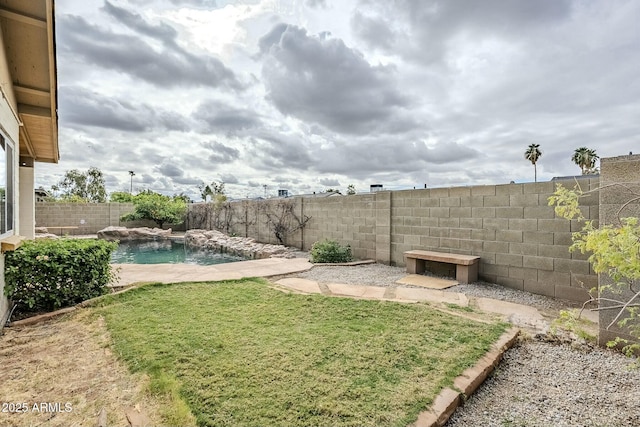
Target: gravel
{"type": "Point", "coordinates": [538, 383]}
{"type": "Point", "coordinates": [545, 384]}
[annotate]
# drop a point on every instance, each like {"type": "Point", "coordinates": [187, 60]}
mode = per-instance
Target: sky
{"type": "Point", "coordinates": [307, 95]}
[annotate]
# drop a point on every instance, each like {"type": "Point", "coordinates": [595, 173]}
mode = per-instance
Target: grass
{"type": "Point", "coordinates": [240, 353]}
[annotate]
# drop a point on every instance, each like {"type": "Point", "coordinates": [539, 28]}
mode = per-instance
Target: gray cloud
{"type": "Point", "coordinates": [273, 151]}
{"type": "Point", "coordinates": [221, 153]}
{"type": "Point", "coordinates": [167, 67]}
{"type": "Point", "coordinates": [451, 152]}
{"type": "Point", "coordinates": [323, 81]}
{"type": "Point", "coordinates": [187, 180]}
{"type": "Point", "coordinates": [222, 118]}
{"type": "Point", "coordinates": [80, 106]}
{"type": "Point", "coordinates": [330, 182]}
{"type": "Point", "coordinates": [229, 179]}
{"type": "Point", "coordinates": [200, 4]}
{"type": "Point", "coordinates": [147, 179]}
{"type": "Point", "coordinates": [162, 32]}
{"type": "Point", "coordinates": [422, 30]}
{"type": "Point", "coordinates": [316, 3]}
{"type": "Point", "coordinates": [169, 169]}
{"type": "Point", "coordinates": [365, 159]}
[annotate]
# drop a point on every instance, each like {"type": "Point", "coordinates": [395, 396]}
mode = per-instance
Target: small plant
{"type": "Point", "coordinates": [45, 275]}
{"type": "Point", "coordinates": [324, 251]}
{"type": "Point", "coordinates": [570, 320]}
{"type": "Point", "coordinates": [614, 251]}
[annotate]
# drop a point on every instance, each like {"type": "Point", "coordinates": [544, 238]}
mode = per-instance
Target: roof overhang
{"type": "Point", "coordinates": [28, 30]}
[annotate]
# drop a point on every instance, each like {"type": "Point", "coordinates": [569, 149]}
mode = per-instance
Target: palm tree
{"type": "Point", "coordinates": [585, 158]}
{"type": "Point", "coordinates": [533, 154]}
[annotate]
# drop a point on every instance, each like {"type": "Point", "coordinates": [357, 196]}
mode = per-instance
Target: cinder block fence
{"type": "Point", "coordinates": [521, 243]}
{"type": "Point", "coordinates": [88, 217]}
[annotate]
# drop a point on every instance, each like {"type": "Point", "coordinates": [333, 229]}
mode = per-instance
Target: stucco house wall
{"type": "Point", "coordinates": [9, 126]}
{"type": "Point", "coordinates": [28, 115]}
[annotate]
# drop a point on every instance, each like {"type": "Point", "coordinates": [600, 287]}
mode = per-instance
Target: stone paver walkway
{"type": "Point", "coordinates": [517, 314]}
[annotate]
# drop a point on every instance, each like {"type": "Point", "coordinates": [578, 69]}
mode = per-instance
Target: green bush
{"type": "Point", "coordinates": [45, 275]}
{"type": "Point", "coordinates": [330, 251]}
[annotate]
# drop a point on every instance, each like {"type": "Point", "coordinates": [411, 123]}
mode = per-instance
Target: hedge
{"type": "Point", "coordinates": [45, 275]}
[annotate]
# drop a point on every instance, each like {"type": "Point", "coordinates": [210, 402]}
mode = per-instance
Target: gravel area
{"type": "Point", "coordinates": [545, 384]}
{"type": "Point", "coordinates": [538, 383]}
{"type": "Point", "coordinates": [364, 274]}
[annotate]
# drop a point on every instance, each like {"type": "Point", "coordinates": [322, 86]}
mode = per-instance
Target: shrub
{"type": "Point", "coordinates": [330, 251]}
{"type": "Point", "coordinates": [45, 275]}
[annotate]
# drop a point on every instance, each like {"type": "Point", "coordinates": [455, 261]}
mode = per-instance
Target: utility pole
{"type": "Point", "coordinates": [131, 173]}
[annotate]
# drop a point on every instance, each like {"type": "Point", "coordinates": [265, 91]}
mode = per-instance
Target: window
{"type": "Point", "coordinates": [6, 186]}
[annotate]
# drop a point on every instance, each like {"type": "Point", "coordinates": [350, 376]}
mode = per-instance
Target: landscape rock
{"type": "Point", "coordinates": [113, 233]}
{"type": "Point", "coordinates": [245, 247]}
{"type": "Point", "coordinates": [41, 230]}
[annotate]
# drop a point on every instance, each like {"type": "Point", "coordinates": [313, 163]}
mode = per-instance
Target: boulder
{"type": "Point", "coordinates": [113, 233]}
{"type": "Point", "coordinates": [242, 246]}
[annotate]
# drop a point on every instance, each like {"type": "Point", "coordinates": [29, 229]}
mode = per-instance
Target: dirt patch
{"type": "Point", "coordinates": [63, 373]}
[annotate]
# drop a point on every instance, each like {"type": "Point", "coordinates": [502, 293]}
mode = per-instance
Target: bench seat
{"type": "Point", "coordinates": [466, 265]}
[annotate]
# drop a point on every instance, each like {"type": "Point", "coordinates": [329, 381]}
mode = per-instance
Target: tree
{"type": "Point", "coordinates": [533, 154]}
{"type": "Point", "coordinates": [79, 186]}
{"type": "Point", "coordinates": [585, 158]}
{"type": "Point", "coordinates": [351, 189]}
{"type": "Point", "coordinates": [158, 208]}
{"type": "Point", "coordinates": [205, 191]}
{"type": "Point", "coordinates": [615, 252]}
{"type": "Point", "coordinates": [182, 196]}
{"type": "Point", "coordinates": [215, 190]}
{"type": "Point", "coordinates": [121, 197]}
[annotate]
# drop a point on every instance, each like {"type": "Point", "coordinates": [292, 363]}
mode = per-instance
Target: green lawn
{"type": "Point", "coordinates": [239, 353]}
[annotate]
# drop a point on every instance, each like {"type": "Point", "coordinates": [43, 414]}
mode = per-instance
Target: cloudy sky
{"type": "Point", "coordinates": [307, 95]}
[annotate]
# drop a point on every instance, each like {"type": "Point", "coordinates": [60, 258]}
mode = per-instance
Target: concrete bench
{"type": "Point", "coordinates": [466, 265]}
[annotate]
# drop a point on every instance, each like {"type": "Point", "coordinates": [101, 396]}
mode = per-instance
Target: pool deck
{"type": "Point", "coordinates": [173, 273]}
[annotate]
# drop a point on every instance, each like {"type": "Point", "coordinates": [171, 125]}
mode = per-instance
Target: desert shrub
{"type": "Point", "coordinates": [45, 275]}
{"type": "Point", "coordinates": [330, 251]}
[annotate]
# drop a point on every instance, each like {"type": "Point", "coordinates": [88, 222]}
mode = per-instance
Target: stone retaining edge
{"type": "Point", "coordinates": [445, 404]}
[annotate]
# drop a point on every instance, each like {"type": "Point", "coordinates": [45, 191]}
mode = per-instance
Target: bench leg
{"type": "Point", "coordinates": [467, 273]}
{"type": "Point", "coordinates": [415, 266]}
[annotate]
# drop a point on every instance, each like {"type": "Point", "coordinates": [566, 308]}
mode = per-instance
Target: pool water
{"type": "Point", "coordinates": [167, 252]}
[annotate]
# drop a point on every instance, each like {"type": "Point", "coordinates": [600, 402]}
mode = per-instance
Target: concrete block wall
{"type": "Point", "coordinates": [248, 218]}
{"type": "Point", "coordinates": [351, 220]}
{"type": "Point", "coordinates": [521, 243]}
{"type": "Point", "coordinates": [88, 217]}
{"type": "Point", "coordinates": [620, 184]}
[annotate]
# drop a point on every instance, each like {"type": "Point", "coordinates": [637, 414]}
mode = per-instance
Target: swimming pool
{"type": "Point", "coordinates": [167, 252]}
